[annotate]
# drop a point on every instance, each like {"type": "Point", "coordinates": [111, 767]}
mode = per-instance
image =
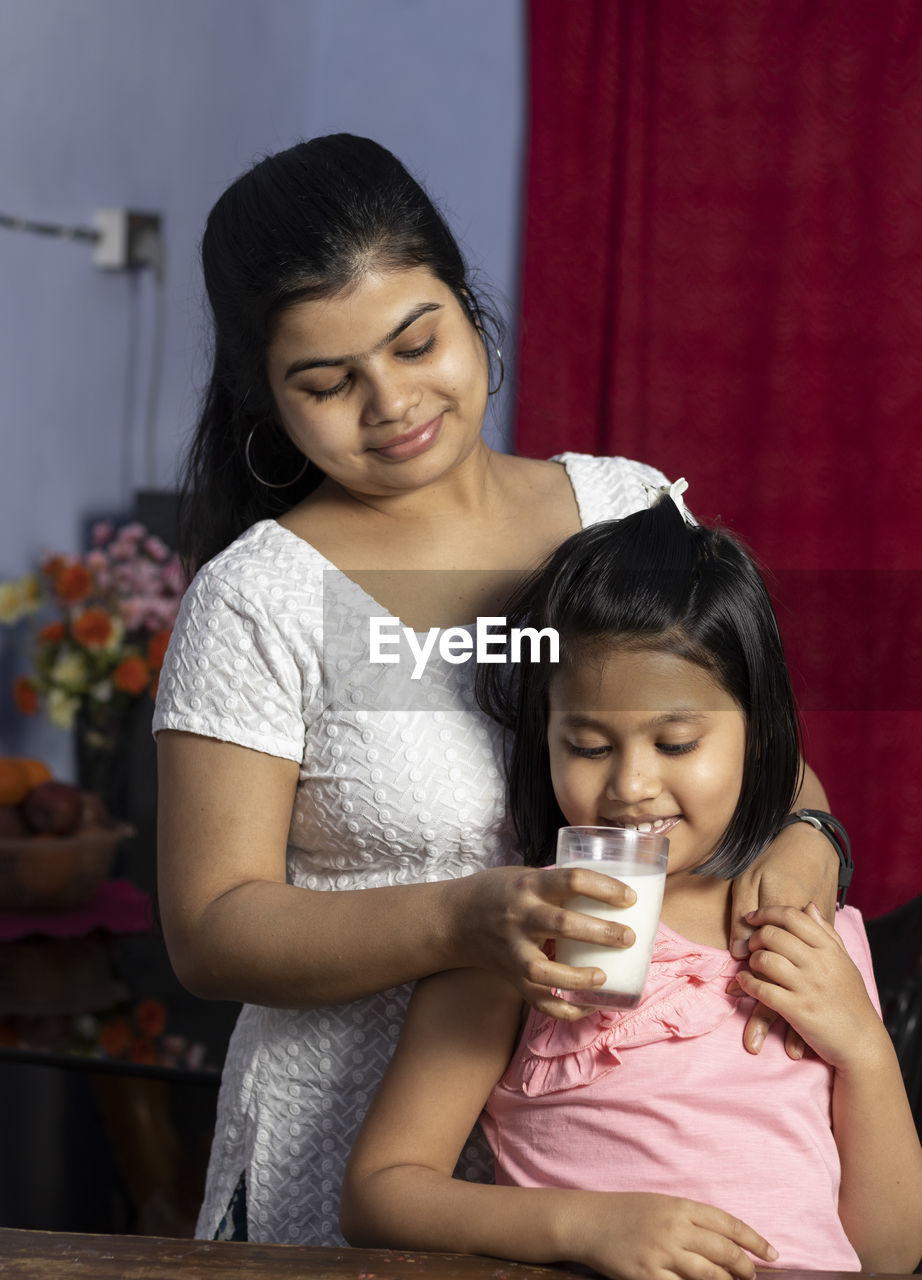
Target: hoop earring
{"type": "Point", "coordinates": [258, 478]}
{"type": "Point", "coordinates": [491, 391]}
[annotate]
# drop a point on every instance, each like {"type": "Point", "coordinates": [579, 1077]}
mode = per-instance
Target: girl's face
{"type": "Point", "coordinates": [639, 738]}
{"type": "Point", "coordinates": [383, 387]}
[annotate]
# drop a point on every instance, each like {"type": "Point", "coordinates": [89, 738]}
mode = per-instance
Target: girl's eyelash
{"type": "Point", "coordinates": [677, 748]}
{"type": "Point", "coordinates": [414, 354]}
{"type": "Point", "coordinates": [666, 748]}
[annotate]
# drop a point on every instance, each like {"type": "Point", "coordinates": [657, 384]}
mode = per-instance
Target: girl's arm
{"type": "Point", "coordinates": [799, 866]}
{"type": "Point", "coordinates": [800, 968]}
{"type": "Point", "coordinates": [399, 1191]}
{"type": "Point", "coordinates": [237, 931]}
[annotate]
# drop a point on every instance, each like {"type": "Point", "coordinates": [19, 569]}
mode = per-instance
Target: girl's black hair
{"type": "Point", "coordinates": [653, 581]}
{"type": "Point", "coordinates": [304, 223]}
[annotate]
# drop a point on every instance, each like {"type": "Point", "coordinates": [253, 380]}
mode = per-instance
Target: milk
{"type": "Point", "coordinates": [625, 969]}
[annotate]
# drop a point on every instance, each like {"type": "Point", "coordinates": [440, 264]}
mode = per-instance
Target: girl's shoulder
{"type": "Point", "coordinates": [849, 925]}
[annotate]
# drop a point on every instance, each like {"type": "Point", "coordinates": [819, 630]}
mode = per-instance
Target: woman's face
{"type": "Point", "coordinates": [383, 386]}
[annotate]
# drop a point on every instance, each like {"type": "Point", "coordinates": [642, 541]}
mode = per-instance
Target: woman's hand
{"type": "Point", "coordinates": [509, 913]}
{"type": "Point", "coordinates": [799, 967]}
{"type": "Point", "coordinates": [652, 1237]}
{"type": "Point", "coordinates": [799, 866]}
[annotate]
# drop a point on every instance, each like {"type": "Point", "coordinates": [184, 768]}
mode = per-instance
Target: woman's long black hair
{"type": "Point", "coordinates": [653, 581]}
{"type": "Point", "coordinates": [304, 223]}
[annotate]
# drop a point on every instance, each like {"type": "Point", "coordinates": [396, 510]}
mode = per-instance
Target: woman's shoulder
{"type": "Point", "coordinates": [268, 582]}
{"type": "Point", "coordinates": [261, 560]}
{"type": "Point", "coordinates": [608, 488]}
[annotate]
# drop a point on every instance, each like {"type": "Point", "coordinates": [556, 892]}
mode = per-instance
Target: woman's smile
{"type": "Point", "coordinates": [416, 440]}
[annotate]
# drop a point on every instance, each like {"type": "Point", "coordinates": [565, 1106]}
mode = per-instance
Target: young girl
{"type": "Point", "coordinates": [647, 1142]}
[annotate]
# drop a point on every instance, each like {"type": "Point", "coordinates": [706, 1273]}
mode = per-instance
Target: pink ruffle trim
{"type": "Point", "coordinates": [685, 996]}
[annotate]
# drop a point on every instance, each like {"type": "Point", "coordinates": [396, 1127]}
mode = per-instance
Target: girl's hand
{"type": "Point", "coordinates": [653, 1237]}
{"type": "Point", "coordinates": [799, 866]}
{"type": "Point", "coordinates": [798, 966]}
{"type": "Point", "coordinates": [510, 912]}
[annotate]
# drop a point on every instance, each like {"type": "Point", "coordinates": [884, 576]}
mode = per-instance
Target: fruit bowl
{"type": "Point", "coordinates": [56, 873]}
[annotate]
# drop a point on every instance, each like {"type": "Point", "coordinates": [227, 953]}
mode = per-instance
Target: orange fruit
{"type": "Point", "coordinates": [37, 770]}
{"type": "Point", "coordinates": [14, 780]}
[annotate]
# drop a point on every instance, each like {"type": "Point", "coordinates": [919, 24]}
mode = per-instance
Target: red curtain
{"type": "Point", "coordinates": [723, 277]}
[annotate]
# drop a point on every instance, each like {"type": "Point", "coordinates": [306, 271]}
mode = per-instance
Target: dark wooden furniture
{"type": "Point", "coordinates": [38, 1255]}
{"type": "Point", "coordinates": [104, 1144]}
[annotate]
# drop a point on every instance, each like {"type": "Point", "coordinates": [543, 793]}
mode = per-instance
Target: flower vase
{"type": "Point", "coordinates": [117, 762]}
{"type": "Point", "coordinates": [103, 765]}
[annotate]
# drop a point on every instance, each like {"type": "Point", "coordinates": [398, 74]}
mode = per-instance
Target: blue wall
{"type": "Point", "coordinates": [158, 104]}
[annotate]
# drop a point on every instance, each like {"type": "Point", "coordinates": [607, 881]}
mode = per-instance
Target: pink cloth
{"type": "Point", "coordinates": [664, 1098]}
{"type": "Point", "coordinates": [117, 906]}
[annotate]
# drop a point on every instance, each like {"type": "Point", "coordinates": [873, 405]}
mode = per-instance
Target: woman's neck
{"type": "Point", "coordinates": [471, 490]}
{"type": "Point", "coordinates": [479, 524]}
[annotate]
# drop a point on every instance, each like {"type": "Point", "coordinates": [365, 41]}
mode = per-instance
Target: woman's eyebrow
{"type": "Point", "coordinates": [299, 366]}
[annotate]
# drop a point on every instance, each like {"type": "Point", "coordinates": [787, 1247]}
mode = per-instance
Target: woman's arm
{"type": "Point", "coordinates": [399, 1191]}
{"type": "Point", "coordinates": [799, 866]}
{"type": "Point", "coordinates": [800, 967]}
{"type": "Point", "coordinates": [236, 931]}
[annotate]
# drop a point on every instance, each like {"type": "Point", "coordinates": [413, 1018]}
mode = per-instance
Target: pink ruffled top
{"type": "Point", "coordinates": [664, 1098]}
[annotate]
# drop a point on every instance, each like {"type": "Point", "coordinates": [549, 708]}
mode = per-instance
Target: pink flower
{"type": "Point", "coordinates": [174, 577]}
{"type": "Point", "coordinates": [121, 549]}
{"type": "Point", "coordinates": [98, 564]}
{"type": "Point", "coordinates": [132, 613]}
{"type": "Point", "coordinates": [156, 549]}
{"type": "Point", "coordinates": [101, 532]}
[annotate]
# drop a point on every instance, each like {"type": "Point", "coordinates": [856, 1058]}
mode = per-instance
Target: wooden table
{"type": "Point", "coordinates": [43, 1255]}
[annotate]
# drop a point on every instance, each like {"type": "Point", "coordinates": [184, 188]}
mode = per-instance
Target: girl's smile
{"type": "Point", "coordinates": [646, 739]}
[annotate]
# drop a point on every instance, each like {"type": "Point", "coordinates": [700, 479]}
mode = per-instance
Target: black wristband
{"type": "Point", "coordinates": [837, 836]}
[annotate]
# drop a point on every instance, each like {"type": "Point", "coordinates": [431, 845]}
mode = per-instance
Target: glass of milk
{"type": "Point", "coordinates": [639, 860]}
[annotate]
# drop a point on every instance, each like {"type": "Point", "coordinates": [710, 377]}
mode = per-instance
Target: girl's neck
{"type": "Point", "coordinates": [698, 907]}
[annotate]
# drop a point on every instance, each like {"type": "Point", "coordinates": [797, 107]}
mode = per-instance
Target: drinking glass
{"type": "Point", "coordinates": [637, 859]}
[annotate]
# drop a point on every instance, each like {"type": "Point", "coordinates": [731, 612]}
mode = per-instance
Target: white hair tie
{"type": "Point", "coordinates": [673, 491]}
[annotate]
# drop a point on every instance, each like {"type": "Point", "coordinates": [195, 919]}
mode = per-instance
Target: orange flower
{"type": "Point", "coordinates": [150, 1017]}
{"type": "Point", "coordinates": [25, 695]}
{"type": "Point", "coordinates": [142, 1050]}
{"type": "Point", "coordinates": [131, 675]}
{"type": "Point", "coordinates": [115, 1037]}
{"type": "Point", "coordinates": [72, 582]}
{"type": "Point", "coordinates": [52, 565]}
{"type": "Point", "coordinates": [156, 648]}
{"type": "Point", "coordinates": [53, 633]}
{"type": "Point", "coordinates": [93, 628]}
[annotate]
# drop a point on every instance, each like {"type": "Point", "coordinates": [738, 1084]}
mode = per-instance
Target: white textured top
{"type": "Point", "coordinates": [394, 788]}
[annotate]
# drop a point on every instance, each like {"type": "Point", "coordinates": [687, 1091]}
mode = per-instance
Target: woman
{"type": "Point", "coordinates": [352, 367]}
